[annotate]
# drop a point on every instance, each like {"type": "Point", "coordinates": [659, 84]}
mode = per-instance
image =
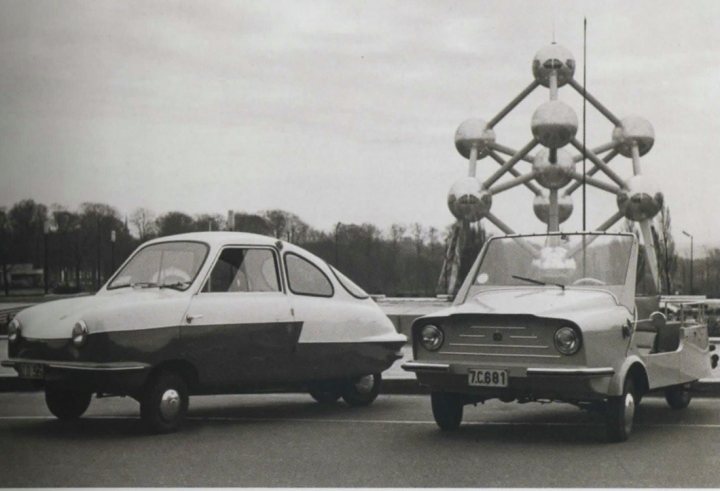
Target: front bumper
{"type": "Point", "coordinates": [561, 383]}
{"type": "Point", "coordinates": [113, 377]}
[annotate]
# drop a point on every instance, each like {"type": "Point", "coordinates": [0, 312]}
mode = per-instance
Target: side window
{"type": "Point", "coordinates": [243, 270]}
{"type": "Point", "coordinates": [349, 285]}
{"type": "Point", "coordinates": [304, 278]}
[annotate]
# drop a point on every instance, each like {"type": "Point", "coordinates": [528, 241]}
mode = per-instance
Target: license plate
{"type": "Point", "coordinates": [487, 378]}
{"type": "Point", "coordinates": [31, 370]}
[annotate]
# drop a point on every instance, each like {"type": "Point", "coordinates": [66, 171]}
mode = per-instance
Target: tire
{"type": "Point", "coordinates": [164, 402]}
{"type": "Point", "coordinates": [447, 410]}
{"type": "Point", "coordinates": [326, 396]}
{"type": "Point", "coordinates": [362, 391]}
{"type": "Point", "coordinates": [67, 404]}
{"type": "Point", "coordinates": [678, 397]}
{"type": "Point", "coordinates": [620, 413]}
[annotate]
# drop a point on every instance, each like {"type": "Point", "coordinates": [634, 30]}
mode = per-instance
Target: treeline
{"type": "Point", "coordinates": [81, 248]}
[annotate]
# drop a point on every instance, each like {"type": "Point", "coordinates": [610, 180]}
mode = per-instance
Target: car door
{"type": "Point", "coordinates": [239, 328]}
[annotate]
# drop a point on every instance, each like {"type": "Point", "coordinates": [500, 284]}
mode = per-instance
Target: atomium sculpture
{"type": "Point", "coordinates": [553, 177]}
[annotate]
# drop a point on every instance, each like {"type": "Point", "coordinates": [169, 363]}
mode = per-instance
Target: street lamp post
{"type": "Point", "coordinates": [46, 232]}
{"type": "Point", "coordinates": [98, 241]}
{"type": "Point", "coordinates": [691, 260]}
{"type": "Point", "coordinates": [337, 237]}
{"type": "Point", "coordinates": [112, 251]}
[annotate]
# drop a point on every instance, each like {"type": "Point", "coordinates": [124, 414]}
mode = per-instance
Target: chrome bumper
{"type": "Point", "coordinates": [424, 367]}
{"type": "Point", "coordinates": [80, 365]}
{"type": "Point", "coordinates": [418, 366]}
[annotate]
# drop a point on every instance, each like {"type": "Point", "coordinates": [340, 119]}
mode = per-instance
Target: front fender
{"type": "Point", "coordinates": [621, 373]}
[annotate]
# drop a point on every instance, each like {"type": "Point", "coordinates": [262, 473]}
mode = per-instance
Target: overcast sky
{"type": "Point", "coordinates": [338, 111]}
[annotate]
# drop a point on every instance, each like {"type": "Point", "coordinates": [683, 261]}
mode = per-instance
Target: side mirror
{"type": "Point", "coordinates": [658, 320]}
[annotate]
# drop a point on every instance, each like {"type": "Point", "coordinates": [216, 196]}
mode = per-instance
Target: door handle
{"type": "Point", "coordinates": [189, 318]}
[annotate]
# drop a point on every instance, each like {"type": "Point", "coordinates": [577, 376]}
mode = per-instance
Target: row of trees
{"type": "Point", "coordinates": [81, 248]}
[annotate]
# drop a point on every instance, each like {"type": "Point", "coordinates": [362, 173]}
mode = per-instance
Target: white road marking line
{"type": "Point", "coordinates": [378, 421]}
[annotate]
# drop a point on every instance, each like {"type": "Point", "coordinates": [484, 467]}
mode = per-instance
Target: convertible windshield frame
{"type": "Point", "coordinates": [190, 282]}
{"type": "Point", "coordinates": [616, 282]}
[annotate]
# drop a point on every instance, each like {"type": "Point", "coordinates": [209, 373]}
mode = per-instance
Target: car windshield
{"type": "Point", "coordinates": [164, 265]}
{"type": "Point", "coordinates": [563, 260]}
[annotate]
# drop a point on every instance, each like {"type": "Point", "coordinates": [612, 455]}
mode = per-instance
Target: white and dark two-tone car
{"type": "Point", "coordinates": [556, 318]}
{"type": "Point", "coordinates": [207, 313]}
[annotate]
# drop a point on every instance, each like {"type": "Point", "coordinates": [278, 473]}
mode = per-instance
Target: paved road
{"type": "Point", "coordinates": [288, 440]}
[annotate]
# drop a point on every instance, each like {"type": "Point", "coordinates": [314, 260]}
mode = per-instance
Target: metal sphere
{"type": "Point", "coordinates": [553, 175]}
{"type": "Point", "coordinates": [553, 57]}
{"type": "Point", "coordinates": [554, 124]}
{"type": "Point", "coordinates": [641, 200]}
{"type": "Point", "coordinates": [468, 200]}
{"type": "Point", "coordinates": [474, 132]}
{"type": "Point", "coordinates": [633, 129]}
{"type": "Point", "coordinates": [541, 207]}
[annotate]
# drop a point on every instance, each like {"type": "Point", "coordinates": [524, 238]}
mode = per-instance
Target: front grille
{"type": "Point", "coordinates": [501, 340]}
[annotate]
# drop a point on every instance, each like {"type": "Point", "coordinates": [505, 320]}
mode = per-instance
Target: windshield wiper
{"type": "Point", "coordinates": [538, 282]}
{"type": "Point", "coordinates": [178, 285]}
{"type": "Point", "coordinates": [121, 285]}
{"type": "Point", "coordinates": [144, 284]}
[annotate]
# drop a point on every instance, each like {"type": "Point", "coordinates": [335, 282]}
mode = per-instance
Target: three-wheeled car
{"type": "Point", "coordinates": [555, 317]}
{"type": "Point", "coordinates": [207, 313]}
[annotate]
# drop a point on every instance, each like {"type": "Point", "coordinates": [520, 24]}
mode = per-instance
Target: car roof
{"type": "Point", "coordinates": [220, 238]}
{"type": "Point", "coordinates": [223, 238]}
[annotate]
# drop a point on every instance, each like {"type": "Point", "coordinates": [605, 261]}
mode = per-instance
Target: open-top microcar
{"type": "Point", "coordinates": [555, 317]}
{"type": "Point", "coordinates": [207, 313]}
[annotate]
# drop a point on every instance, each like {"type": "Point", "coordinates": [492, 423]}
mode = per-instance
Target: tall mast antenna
{"type": "Point", "coordinates": [584, 197]}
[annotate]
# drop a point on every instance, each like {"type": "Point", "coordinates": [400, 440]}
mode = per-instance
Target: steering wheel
{"type": "Point", "coordinates": [588, 281]}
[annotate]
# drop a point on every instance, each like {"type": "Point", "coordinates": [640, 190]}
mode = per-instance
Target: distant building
{"type": "Point", "coordinates": [23, 276]}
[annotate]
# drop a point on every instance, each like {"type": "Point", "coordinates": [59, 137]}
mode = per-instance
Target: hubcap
{"type": "Point", "coordinates": [170, 404]}
{"type": "Point", "coordinates": [365, 384]}
{"type": "Point", "coordinates": [629, 412]}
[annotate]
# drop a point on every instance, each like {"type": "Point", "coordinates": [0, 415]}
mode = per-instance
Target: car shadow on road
{"type": "Point", "coordinates": [546, 426]}
{"type": "Point", "coordinates": [240, 408]}
{"type": "Point", "coordinates": [232, 411]}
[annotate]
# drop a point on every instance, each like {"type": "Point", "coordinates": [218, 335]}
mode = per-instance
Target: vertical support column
{"type": "Point", "coordinates": [650, 257]}
{"type": "Point", "coordinates": [554, 212]}
{"type": "Point", "coordinates": [636, 159]}
{"type": "Point", "coordinates": [472, 162]}
{"type": "Point", "coordinates": [553, 86]}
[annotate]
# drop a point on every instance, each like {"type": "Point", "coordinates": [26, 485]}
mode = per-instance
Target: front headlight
{"type": "Point", "coordinates": [567, 340]}
{"type": "Point", "coordinates": [79, 333]}
{"type": "Point", "coordinates": [14, 330]}
{"type": "Point", "coordinates": [431, 337]}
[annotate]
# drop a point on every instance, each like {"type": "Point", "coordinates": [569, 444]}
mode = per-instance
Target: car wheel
{"type": "Point", "coordinates": [362, 391]}
{"type": "Point", "coordinates": [678, 397]}
{"type": "Point", "coordinates": [620, 413]}
{"type": "Point", "coordinates": [67, 404]}
{"type": "Point", "coordinates": [447, 410]}
{"type": "Point", "coordinates": [164, 402]}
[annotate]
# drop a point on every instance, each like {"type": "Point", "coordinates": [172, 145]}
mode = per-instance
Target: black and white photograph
{"type": "Point", "coordinates": [359, 244]}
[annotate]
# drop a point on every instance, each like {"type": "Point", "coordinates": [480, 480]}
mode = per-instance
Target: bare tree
{"type": "Point", "coordinates": [144, 222]}
{"type": "Point", "coordinates": [665, 249]}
